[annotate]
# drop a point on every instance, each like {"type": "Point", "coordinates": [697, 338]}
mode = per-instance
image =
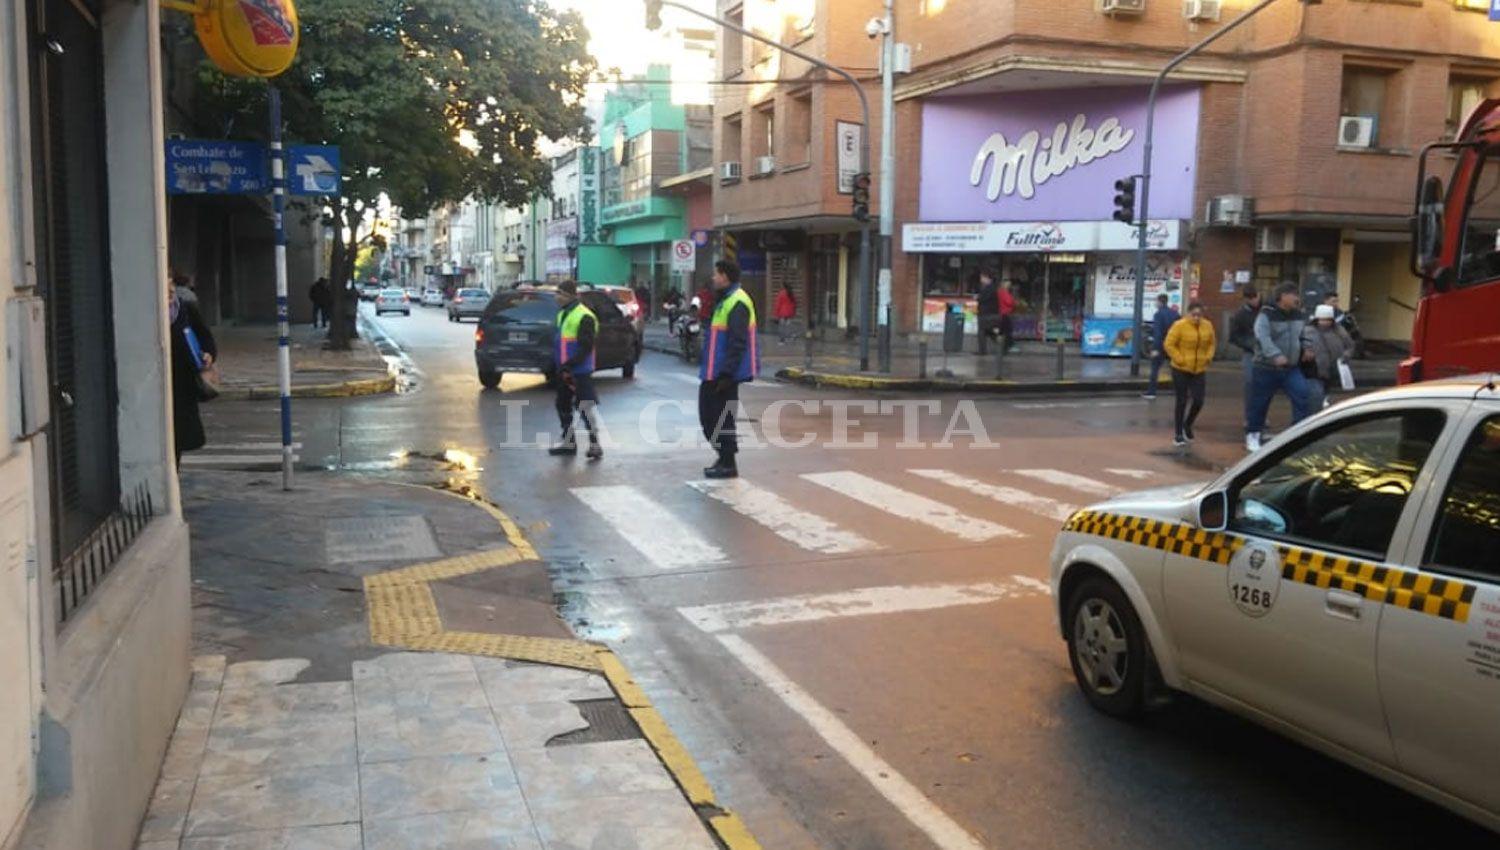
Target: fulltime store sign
{"type": "Point", "coordinates": [1037, 236]}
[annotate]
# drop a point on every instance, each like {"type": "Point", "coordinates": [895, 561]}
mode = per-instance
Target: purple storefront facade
{"type": "Point", "coordinates": [1022, 184]}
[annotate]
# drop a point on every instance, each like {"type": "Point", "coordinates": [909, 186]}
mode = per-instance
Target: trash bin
{"type": "Point", "coordinates": [953, 329]}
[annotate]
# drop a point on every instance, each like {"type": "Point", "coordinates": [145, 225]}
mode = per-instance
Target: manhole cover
{"type": "Point", "coordinates": [381, 538]}
{"type": "Point", "coordinates": [608, 721]}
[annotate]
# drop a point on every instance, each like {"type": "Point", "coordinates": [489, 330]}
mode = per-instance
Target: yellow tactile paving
{"type": "Point", "coordinates": [403, 613]}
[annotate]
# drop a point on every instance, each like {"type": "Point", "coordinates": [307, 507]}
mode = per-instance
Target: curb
{"type": "Point", "coordinates": [345, 389]}
{"type": "Point", "coordinates": [403, 613]}
{"type": "Point", "coordinates": [839, 380]}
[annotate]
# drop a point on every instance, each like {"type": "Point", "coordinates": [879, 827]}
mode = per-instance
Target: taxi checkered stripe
{"type": "Point", "coordinates": [1449, 599]}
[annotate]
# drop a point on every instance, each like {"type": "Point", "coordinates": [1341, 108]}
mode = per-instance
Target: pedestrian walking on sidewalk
{"type": "Point", "coordinates": [321, 296]}
{"type": "Point", "coordinates": [576, 329]}
{"type": "Point", "coordinates": [1242, 336]}
{"type": "Point", "coordinates": [1330, 345]}
{"type": "Point", "coordinates": [1007, 314]}
{"type": "Point", "coordinates": [1161, 322]}
{"type": "Point", "coordinates": [987, 298]}
{"type": "Point", "coordinates": [730, 358]}
{"type": "Point", "coordinates": [784, 310]}
{"type": "Point", "coordinates": [1190, 345]}
{"type": "Point", "coordinates": [1279, 354]}
{"type": "Point", "coordinates": [194, 353]}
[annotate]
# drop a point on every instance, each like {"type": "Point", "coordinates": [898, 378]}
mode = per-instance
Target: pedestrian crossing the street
{"type": "Point", "coordinates": [662, 524]}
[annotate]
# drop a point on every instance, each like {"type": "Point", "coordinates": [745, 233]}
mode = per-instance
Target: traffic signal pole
{"type": "Point", "coordinates": [887, 178]}
{"type": "Point", "coordinates": [1144, 218]}
{"type": "Point", "coordinates": [653, 21]}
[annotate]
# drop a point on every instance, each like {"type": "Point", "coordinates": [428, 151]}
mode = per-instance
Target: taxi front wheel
{"type": "Point", "coordinates": [1107, 648]}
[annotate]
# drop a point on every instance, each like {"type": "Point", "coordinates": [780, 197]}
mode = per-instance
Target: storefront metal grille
{"type": "Point", "coordinates": [79, 573]}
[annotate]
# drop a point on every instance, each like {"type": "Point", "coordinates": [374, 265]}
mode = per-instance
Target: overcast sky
{"type": "Point", "coordinates": [618, 29]}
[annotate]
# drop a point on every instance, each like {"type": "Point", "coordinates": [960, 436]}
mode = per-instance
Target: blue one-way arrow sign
{"type": "Point", "coordinates": [312, 169]}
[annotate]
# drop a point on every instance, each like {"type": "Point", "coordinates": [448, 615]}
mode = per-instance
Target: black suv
{"type": "Point", "coordinates": [518, 330]}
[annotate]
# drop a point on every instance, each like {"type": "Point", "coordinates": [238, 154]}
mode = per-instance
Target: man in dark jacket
{"type": "Point", "coordinates": [988, 298]}
{"type": "Point", "coordinates": [1279, 352]}
{"type": "Point", "coordinates": [1161, 322]}
{"type": "Point", "coordinates": [1242, 336]}
{"type": "Point", "coordinates": [730, 357]}
{"type": "Point", "coordinates": [576, 327]}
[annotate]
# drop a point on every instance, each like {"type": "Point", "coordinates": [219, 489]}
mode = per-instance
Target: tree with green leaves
{"type": "Point", "coordinates": [429, 101]}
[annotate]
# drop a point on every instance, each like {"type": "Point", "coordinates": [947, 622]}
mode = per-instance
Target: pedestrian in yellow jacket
{"type": "Point", "coordinates": [1190, 345]}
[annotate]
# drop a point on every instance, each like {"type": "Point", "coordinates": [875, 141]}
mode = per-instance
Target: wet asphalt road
{"type": "Point", "coordinates": [949, 720]}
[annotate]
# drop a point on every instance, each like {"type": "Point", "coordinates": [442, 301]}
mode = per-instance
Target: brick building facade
{"type": "Point", "coordinates": [1269, 105]}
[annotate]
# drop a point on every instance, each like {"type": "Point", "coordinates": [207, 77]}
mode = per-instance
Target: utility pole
{"type": "Point", "coordinates": [1143, 220]}
{"type": "Point", "coordinates": [653, 21]}
{"type": "Point", "coordinates": [887, 176]}
{"type": "Point", "coordinates": [283, 308]}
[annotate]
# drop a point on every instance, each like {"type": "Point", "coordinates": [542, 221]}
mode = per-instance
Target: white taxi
{"type": "Point", "coordinates": [1341, 586]}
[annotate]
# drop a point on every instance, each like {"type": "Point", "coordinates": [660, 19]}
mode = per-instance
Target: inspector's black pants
{"type": "Point", "coordinates": [581, 392]}
{"type": "Point", "coordinates": [716, 417]}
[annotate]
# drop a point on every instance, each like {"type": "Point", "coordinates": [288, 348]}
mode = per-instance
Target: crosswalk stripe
{"type": "Point", "coordinates": [231, 460]}
{"type": "Point", "coordinates": [1074, 482]}
{"type": "Point", "coordinates": [684, 377]}
{"type": "Point", "coordinates": [1005, 495]}
{"type": "Point", "coordinates": [908, 505]}
{"type": "Point", "coordinates": [861, 602]}
{"type": "Point", "coordinates": [666, 541]}
{"type": "Point", "coordinates": [789, 522]}
{"type": "Point", "coordinates": [1137, 474]}
{"type": "Point", "coordinates": [232, 447]}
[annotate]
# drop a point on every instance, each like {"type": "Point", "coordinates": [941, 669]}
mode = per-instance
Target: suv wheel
{"type": "Point", "coordinates": [490, 378]}
{"type": "Point", "coordinates": [1107, 648]}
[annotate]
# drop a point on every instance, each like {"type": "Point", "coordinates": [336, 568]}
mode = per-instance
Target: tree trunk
{"type": "Point", "coordinates": [345, 302]}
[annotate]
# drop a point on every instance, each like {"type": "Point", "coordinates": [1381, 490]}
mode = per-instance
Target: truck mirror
{"type": "Point", "coordinates": [1427, 240]}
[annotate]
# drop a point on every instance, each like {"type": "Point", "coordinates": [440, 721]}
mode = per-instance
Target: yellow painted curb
{"type": "Point", "coordinates": [403, 614]}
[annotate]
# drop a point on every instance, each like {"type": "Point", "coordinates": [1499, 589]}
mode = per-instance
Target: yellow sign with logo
{"type": "Point", "coordinates": [248, 38]}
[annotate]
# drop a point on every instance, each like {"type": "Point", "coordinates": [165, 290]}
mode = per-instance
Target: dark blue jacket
{"type": "Point", "coordinates": [1162, 322]}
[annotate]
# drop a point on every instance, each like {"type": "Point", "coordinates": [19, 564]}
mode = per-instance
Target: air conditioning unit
{"type": "Point", "coordinates": [1276, 240]}
{"type": "Point", "coordinates": [1230, 211]}
{"type": "Point", "coordinates": [765, 165]}
{"type": "Point", "coordinates": [1357, 131]}
{"type": "Point", "coordinates": [1202, 10]}
{"type": "Point", "coordinates": [729, 171]}
{"type": "Point", "coordinates": [1122, 7]}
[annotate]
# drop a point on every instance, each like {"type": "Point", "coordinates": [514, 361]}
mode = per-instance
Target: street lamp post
{"type": "Point", "coordinates": [1143, 220]}
{"type": "Point", "coordinates": [653, 10]}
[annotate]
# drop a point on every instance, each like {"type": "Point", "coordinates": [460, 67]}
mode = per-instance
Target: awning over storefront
{"type": "Point", "coordinates": [987, 237]}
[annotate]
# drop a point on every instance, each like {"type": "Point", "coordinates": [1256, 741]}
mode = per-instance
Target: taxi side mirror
{"type": "Point", "coordinates": [1213, 511]}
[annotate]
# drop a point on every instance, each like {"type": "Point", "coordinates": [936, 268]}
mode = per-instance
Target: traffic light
{"type": "Point", "coordinates": [653, 14]}
{"type": "Point", "coordinates": [862, 196]}
{"type": "Point", "coordinates": [1125, 200]}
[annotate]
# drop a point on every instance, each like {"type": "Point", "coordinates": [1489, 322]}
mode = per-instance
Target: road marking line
{"type": "Point", "coordinates": [1071, 481]}
{"type": "Point", "coordinates": [690, 379]}
{"type": "Point", "coordinates": [236, 460]}
{"type": "Point", "coordinates": [1035, 584]}
{"type": "Point", "coordinates": [251, 446]}
{"type": "Point", "coordinates": [811, 607]}
{"type": "Point", "coordinates": [789, 522]}
{"type": "Point", "coordinates": [666, 541]}
{"type": "Point", "coordinates": [943, 830]}
{"type": "Point", "coordinates": [1137, 474]}
{"type": "Point", "coordinates": [1006, 495]}
{"type": "Point", "coordinates": [908, 505]}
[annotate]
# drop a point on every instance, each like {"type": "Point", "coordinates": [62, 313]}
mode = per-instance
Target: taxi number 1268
{"type": "Point", "coordinates": [1252, 596]}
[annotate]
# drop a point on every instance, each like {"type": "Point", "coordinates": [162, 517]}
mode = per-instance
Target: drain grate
{"type": "Point", "coordinates": [608, 721]}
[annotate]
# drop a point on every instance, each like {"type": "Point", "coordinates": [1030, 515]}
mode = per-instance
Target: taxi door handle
{"type": "Point", "coordinates": [1343, 604]}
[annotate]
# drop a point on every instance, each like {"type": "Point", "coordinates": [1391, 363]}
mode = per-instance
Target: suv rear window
{"type": "Point", "coordinates": [521, 307]}
{"type": "Point", "coordinates": [473, 293]}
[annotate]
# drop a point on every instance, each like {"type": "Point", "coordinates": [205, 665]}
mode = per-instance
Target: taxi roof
{"type": "Point", "coordinates": [1462, 386]}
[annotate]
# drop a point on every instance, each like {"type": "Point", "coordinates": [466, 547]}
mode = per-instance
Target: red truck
{"type": "Point", "coordinates": [1456, 252]}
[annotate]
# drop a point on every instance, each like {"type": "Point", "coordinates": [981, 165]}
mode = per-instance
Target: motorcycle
{"type": "Point", "coordinates": [686, 330]}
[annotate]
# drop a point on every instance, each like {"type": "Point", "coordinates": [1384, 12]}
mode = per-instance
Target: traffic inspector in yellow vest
{"type": "Point", "coordinates": [574, 354]}
{"type": "Point", "coordinates": [730, 358]}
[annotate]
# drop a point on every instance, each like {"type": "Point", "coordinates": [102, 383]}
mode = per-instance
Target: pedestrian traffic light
{"type": "Point", "coordinates": [653, 14]}
{"type": "Point", "coordinates": [862, 196]}
{"type": "Point", "coordinates": [1125, 200]}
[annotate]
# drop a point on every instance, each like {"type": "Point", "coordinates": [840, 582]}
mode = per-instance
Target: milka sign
{"type": "Point", "coordinates": [1033, 160]}
{"type": "Point", "coordinates": [1054, 154]}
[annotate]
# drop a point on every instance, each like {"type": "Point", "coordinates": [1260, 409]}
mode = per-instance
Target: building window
{"type": "Point", "coordinates": [734, 43]}
{"type": "Point", "coordinates": [1464, 93]}
{"type": "Point", "coordinates": [763, 131]}
{"type": "Point", "coordinates": [732, 148]}
{"type": "Point", "coordinates": [1363, 106]}
{"type": "Point", "coordinates": [799, 129]}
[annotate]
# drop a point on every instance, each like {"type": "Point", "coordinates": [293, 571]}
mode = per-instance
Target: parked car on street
{"type": "Point", "coordinates": [368, 291]}
{"type": "Point", "coordinates": [517, 332]}
{"type": "Point", "coordinates": [468, 304]}
{"type": "Point", "coordinates": [1340, 586]}
{"type": "Point", "coordinates": [393, 301]}
{"type": "Point", "coordinates": [630, 305]}
{"type": "Point", "coordinates": [432, 297]}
